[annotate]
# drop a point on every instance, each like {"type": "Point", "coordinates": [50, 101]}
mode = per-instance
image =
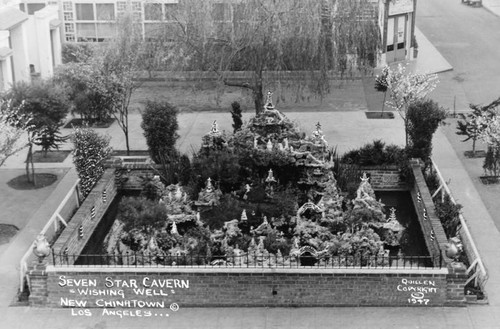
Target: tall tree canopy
{"type": "Point", "coordinates": [323, 38]}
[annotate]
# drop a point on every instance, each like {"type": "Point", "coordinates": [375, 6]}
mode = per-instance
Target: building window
{"type": "Point", "coordinates": [68, 16]}
{"type": "Point", "coordinates": [105, 11]}
{"type": "Point", "coordinates": [137, 17]}
{"type": "Point", "coordinates": [84, 11]}
{"type": "Point", "coordinates": [153, 12]}
{"type": "Point", "coordinates": [105, 31]}
{"type": "Point", "coordinates": [121, 5]}
{"type": "Point", "coordinates": [170, 11]}
{"type": "Point", "coordinates": [70, 38]}
{"type": "Point", "coordinates": [69, 28]}
{"type": "Point", "coordinates": [86, 32]}
{"type": "Point", "coordinates": [136, 6]}
{"type": "Point", "coordinates": [67, 6]}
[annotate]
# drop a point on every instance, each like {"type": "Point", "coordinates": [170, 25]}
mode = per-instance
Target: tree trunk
{"type": "Point", "coordinates": [125, 131]}
{"type": "Point", "coordinates": [258, 92]}
{"type": "Point", "coordinates": [383, 105]}
{"type": "Point", "coordinates": [258, 97]}
{"type": "Point", "coordinates": [29, 161]}
{"type": "Point", "coordinates": [474, 147]}
{"type": "Point", "coordinates": [33, 170]}
{"type": "Point", "coordinates": [406, 132]}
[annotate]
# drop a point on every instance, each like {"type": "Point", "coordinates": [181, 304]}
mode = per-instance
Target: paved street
{"type": "Point", "coordinates": [469, 40]}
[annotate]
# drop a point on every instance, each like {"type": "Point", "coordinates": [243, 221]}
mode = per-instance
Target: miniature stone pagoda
{"type": "Point", "coordinates": [209, 196]}
{"type": "Point", "coordinates": [214, 139]}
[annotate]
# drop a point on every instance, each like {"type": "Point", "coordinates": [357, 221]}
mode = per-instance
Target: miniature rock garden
{"type": "Point", "coordinates": [266, 195]}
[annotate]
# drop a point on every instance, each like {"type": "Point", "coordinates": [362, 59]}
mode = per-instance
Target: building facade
{"type": "Point", "coordinates": [396, 19]}
{"type": "Point", "coordinates": [89, 21]}
{"type": "Point", "coordinates": [30, 43]}
{"type": "Point", "coordinates": [95, 20]}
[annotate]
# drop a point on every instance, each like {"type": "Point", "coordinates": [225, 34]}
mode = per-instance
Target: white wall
{"type": "Point", "coordinates": [5, 64]}
{"type": "Point", "coordinates": [19, 44]}
{"type": "Point", "coordinates": [42, 26]}
{"type": "Point", "coordinates": [40, 47]}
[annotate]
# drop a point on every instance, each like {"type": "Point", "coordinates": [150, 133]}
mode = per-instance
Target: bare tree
{"type": "Point", "coordinates": [120, 59]}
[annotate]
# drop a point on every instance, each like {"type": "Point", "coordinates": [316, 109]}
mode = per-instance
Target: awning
{"type": "Point", "coordinates": [10, 17]}
{"type": "Point", "coordinates": [5, 52]}
{"type": "Point", "coordinates": [55, 23]}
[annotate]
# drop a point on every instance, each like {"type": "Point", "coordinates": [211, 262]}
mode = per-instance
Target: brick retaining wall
{"type": "Point", "coordinates": [432, 229]}
{"type": "Point", "coordinates": [231, 287]}
{"type": "Point", "coordinates": [385, 178]}
{"type": "Point", "coordinates": [128, 176]}
{"type": "Point", "coordinates": [87, 216]}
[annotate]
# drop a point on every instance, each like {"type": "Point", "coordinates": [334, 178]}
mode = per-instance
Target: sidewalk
{"type": "Point", "coordinates": [493, 6]}
{"type": "Point", "coordinates": [429, 59]}
{"type": "Point", "coordinates": [11, 256]}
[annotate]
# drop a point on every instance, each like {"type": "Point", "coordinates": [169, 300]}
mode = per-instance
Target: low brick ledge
{"type": "Point", "coordinates": [208, 270]}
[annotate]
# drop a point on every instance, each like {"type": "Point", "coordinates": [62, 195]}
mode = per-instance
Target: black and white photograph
{"type": "Point", "coordinates": [250, 164]}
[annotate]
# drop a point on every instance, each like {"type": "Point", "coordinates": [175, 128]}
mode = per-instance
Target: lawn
{"type": "Point", "coordinates": [345, 95]}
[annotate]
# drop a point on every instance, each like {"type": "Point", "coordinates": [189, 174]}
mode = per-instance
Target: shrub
{"type": "Point", "coordinates": [431, 180]}
{"type": "Point", "coordinates": [374, 154]}
{"type": "Point", "coordinates": [236, 114]}
{"type": "Point", "coordinates": [159, 122]}
{"type": "Point", "coordinates": [94, 90]}
{"type": "Point", "coordinates": [75, 52]}
{"type": "Point", "coordinates": [448, 213]}
{"type": "Point", "coordinates": [50, 138]}
{"type": "Point", "coordinates": [491, 164]}
{"type": "Point", "coordinates": [90, 150]}
{"type": "Point", "coordinates": [423, 118]}
{"type": "Point", "coordinates": [221, 166]}
{"type": "Point", "coordinates": [141, 213]}
{"type": "Point", "coordinates": [45, 101]}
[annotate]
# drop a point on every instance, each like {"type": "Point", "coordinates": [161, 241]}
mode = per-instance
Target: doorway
{"type": "Point", "coordinates": [396, 38]}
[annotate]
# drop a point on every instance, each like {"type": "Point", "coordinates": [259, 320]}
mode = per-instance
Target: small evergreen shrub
{"type": "Point", "coordinates": [159, 122]}
{"type": "Point", "coordinates": [424, 117]}
{"type": "Point", "coordinates": [236, 114]}
{"type": "Point", "coordinates": [491, 163]}
{"type": "Point", "coordinates": [141, 213]}
{"type": "Point", "coordinates": [448, 213]}
{"type": "Point", "coordinates": [90, 150]}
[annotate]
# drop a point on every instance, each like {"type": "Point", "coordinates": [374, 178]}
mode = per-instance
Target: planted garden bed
{"type": "Point", "coordinates": [50, 156]}
{"type": "Point", "coordinates": [379, 115]}
{"type": "Point", "coordinates": [78, 122]}
{"type": "Point", "coordinates": [475, 154]}
{"type": "Point", "coordinates": [487, 180]}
